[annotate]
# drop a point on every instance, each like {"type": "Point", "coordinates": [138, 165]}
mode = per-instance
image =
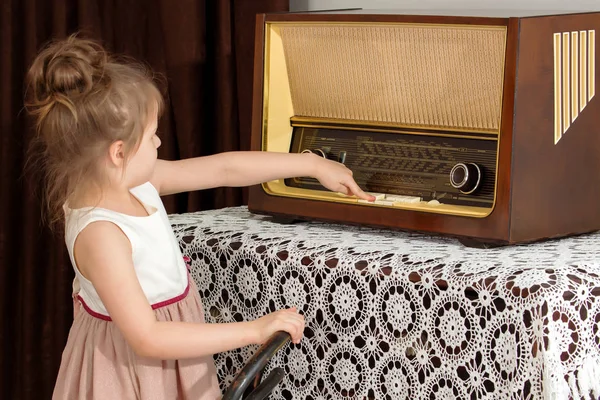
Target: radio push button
{"type": "Point", "coordinates": [390, 199]}
{"type": "Point", "coordinates": [403, 199]}
{"type": "Point", "coordinates": [465, 177]}
{"type": "Point", "coordinates": [378, 196]}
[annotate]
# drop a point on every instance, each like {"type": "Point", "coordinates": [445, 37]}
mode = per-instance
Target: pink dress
{"type": "Point", "coordinates": [97, 362]}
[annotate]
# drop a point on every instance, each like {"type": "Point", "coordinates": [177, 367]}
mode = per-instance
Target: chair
{"type": "Point", "coordinates": [249, 378]}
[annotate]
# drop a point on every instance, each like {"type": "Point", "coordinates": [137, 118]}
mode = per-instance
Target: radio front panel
{"type": "Point", "coordinates": [409, 168]}
{"type": "Point", "coordinates": [415, 107]}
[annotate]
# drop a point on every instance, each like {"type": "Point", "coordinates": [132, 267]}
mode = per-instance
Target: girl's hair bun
{"type": "Point", "coordinates": [66, 70]}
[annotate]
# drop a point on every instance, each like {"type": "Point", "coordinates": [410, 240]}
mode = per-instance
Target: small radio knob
{"type": "Point", "coordinates": [465, 177]}
{"type": "Point", "coordinates": [326, 152]}
{"type": "Point", "coordinates": [323, 152]}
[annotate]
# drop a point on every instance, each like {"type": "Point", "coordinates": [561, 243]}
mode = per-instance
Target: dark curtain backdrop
{"type": "Point", "coordinates": [204, 51]}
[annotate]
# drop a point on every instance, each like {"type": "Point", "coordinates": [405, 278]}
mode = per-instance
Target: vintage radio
{"type": "Point", "coordinates": [483, 126]}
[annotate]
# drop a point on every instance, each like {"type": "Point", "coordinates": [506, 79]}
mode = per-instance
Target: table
{"type": "Point", "coordinates": [395, 315]}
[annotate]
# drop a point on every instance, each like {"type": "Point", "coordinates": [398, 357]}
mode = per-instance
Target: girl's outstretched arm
{"type": "Point", "coordinates": [245, 168]}
{"type": "Point", "coordinates": [103, 255]}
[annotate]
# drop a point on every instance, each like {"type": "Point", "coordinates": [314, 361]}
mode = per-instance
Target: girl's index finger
{"type": "Point", "coordinates": [357, 191]}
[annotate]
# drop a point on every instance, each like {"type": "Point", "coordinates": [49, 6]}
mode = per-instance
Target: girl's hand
{"type": "Point", "coordinates": [283, 320]}
{"type": "Point", "coordinates": [338, 178]}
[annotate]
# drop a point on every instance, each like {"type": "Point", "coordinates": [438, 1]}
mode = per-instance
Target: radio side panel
{"type": "Point", "coordinates": [556, 144]}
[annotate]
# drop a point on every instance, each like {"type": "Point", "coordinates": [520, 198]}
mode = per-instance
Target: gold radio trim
{"type": "Point", "coordinates": [558, 118]}
{"type": "Point", "coordinates": [592, 64]}
{"type": "Point", "coordinates": [582, 70]}
{"type": "Point", "coordinates": [574, 74]}
{"type": "Point", "coordinates": [279, 116]}
{"type": "Point", "coordinates": [566, 70]}
{"type": "Point", "coordinates": [387, 128]}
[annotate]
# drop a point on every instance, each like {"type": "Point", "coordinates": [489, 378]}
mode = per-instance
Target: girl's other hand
{"type": "Point", "coordinates": [283, 320]}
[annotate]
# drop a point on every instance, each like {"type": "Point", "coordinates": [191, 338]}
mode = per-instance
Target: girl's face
{"type": "Point", "coordinates": [140, 167]}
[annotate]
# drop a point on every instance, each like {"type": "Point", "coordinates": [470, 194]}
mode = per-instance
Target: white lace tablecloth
{"type": "Point", "coordinates": [393, 315]}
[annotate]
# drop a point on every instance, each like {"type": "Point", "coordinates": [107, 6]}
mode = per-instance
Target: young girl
{"type": "Point", "coordinates": [138, 330]}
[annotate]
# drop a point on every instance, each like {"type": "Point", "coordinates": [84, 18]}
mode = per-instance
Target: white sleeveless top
{"type": "Point", "coordinates": [158, 262]}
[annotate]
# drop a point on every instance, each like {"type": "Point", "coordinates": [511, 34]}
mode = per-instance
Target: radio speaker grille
{"type": "Point", "coordinates": [414, 75]}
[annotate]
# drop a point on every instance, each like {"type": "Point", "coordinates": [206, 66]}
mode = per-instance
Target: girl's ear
{"type": "Point", "coordinates": [116, 153]}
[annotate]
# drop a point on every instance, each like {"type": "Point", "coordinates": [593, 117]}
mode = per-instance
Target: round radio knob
{"type": "Point", "coordinates": [465, 177]}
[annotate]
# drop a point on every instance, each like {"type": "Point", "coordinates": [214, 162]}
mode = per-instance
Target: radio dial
{"type": "Point", "coordinates": [465, 177]}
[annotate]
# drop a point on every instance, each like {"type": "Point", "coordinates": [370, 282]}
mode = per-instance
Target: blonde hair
{"type": "Point", "coordinates": [83, 100]}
